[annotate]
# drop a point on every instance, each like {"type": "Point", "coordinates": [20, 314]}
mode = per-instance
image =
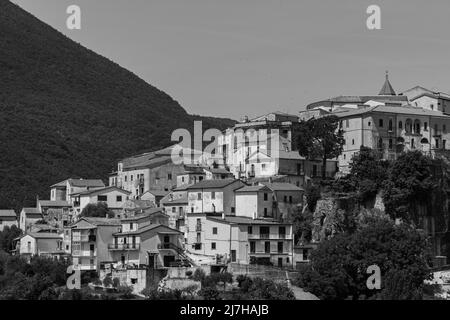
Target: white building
{"type": "Point", "coordinates": [114, 197]}
{"type": "Point", "coordinates": [8, 218]}
{"type": "Point", "coordinates": [240, 239]}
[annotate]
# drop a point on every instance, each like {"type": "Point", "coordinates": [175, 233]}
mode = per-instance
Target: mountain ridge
{"type": "Point", "coordinates": [67, 111]}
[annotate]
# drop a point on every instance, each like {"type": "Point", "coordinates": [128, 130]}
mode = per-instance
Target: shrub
{"type": "Point", "coordinates": [107, 282]}
{"type": "Point", "coordinates": [116, 282]}
{"type": "Point", "coordinates": [199, 275]}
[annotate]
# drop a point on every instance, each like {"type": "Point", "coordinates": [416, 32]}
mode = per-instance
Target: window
{"type": "Point", "coordinates": [437, 143]}
{"type": "Point", "coordinates": [131, 177]}
{"type": "Point", "coordinates": [182, 179]}
{"type": "Point", "coordinates": [432, 106]}
{"type": "Point", "coordinates": [266, 196]}
{"type": "Point", "coordinates": [213, 195]}
{"type": "Point", "coordinates": [213, 246]}
{"type": "Point", "coordinates": [250, 230]}
{"type": "Point", "coordinates": [369, 123]}
{"type": "Point", "coordinates": [280, 247]}
{"type": "Point", "coordinates": [290, 199]}
{"type": "Point", "coordinates": [400, 125]}
{"type": "Point", "coordinates": [390, 144]}
{"type": "Point", "coordinates": [443, 143]}
{"type": "Point", "coordinates": [214, 230]}
{"type": "Point", "coordinates": [347, 123]}
{"type": "Point", "coordinates": [1, 221]}
{"type": "Point", "coordinates": [267, 247]}
{"type": "Point", "coordinates": [285, 198]}
{"type": "Point", "coordinates": [412, 144]}
{"type": "Point", "coordinates": [282, 232]}
{"type": "Point", "coordinates": [444, 128]}
{"type": "Point", "coordinates": [169, 176]}
{"type": "Point", "coordinates": [233, 255]}
{"type": "Point", "coordinates": [380, 123]}
{"type": "Point", "coordinates": [252, 246]}
{"type": "Point", "coordinates": [436, 128]}
{"type": "Point", "coordinates": [119, 198]}
{"type": "Point", "coordinates": [174, 209]}
{"type": "Point", "coordinates": [425, 126]}
{"type": "Point", "coordinates": [232, 209]}
{"type": "Point", "coordinates": [353, 141]}
{"type": "Point", "coordinates": [263, 166]}
{"type": "Point", "coordinates": [192, 209]}
{"type": "Point", "coordinates": [265, 212]}
{"type": "Point", "coordinates": [102, 198]}
{"type": "Point", "coordinates": [125, 178]}
{"type": "Point", "coordinates": [390, 125]}
{"type": "Point", "coordinates": [199, 196]}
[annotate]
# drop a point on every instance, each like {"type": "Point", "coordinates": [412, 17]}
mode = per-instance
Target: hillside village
{"type": "Point", "coordinates": [228, 214]}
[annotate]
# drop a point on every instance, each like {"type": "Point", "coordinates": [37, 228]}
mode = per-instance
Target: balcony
{"type": "Point", "coordinates": [265, 236]}
{"type": "Point", "coordinates": [166, 246]}
{"type": "Point", "coordinates": [84, 253]}
{"type": "Point", "coordinates": [86, 238]}
{"type": "Point", "coordinates": [124, 246]}
{"type": "Point", "coordinates": [198, 227]}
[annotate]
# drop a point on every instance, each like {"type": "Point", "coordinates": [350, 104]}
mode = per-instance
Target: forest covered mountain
{"type": "Point", "coordinates": [66, 111]}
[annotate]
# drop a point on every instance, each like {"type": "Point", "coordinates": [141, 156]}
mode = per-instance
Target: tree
{"type": "Point", "coordinates": [367, 173]}
{"type": "Point", "coordinates": [410, 185]}
{"type": "Point", "coordinates": [338, 266]}
{"type": "Point", "coordinates": [319, 138]}
{"type": "Point", "coordinates": [99, 209]}
{"type": "Point", "coordinates": [7, 237]}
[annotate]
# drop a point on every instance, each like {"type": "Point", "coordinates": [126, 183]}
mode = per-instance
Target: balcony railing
{"type": "Point", "coordinates": [124, 246]}
{"type": "Point", "coordinates": [165, 245]}
{"type": "Point", "coordinates": [269, 236]}
{"type": "Point", "coordinates": [84, 253]}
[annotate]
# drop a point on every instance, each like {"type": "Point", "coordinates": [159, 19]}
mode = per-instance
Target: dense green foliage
{"type": "Point", "coordinates": [319, 139]}
{"type": "Point", "coordinates": [38, 279]}
{"type": "Point", "coordinates": [7, 235]}
{"type": "Point", "coordinates": [410, 183]}
{"type": "Point", "coordinates": [99, 209]}
{"type": "Point", "coordinates": [67, 112]}
{"type": "Point", "coordinates": [338, 266]}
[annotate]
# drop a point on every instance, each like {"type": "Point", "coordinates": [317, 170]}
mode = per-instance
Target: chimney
{"type": "Point", "coordinates": [254, 215]}
{"type": "Point", "coordinates": [223, 215]}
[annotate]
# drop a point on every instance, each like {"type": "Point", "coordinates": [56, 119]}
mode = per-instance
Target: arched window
{"type": "Point", "coordinates": [408, 126]}
{"type": "Point", "coordinates": [417, 126]}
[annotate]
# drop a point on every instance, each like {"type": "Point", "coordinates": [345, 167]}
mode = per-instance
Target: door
{"type": "Point", "coordinates": [280, 262]}
{"type": "Point", "coordinates": [233, 255]}
{"type": "Point", "coordinates": [151, 261]}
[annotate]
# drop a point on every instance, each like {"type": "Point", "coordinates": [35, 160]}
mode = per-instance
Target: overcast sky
{"type": "Point", "coordinates": [248, 57]}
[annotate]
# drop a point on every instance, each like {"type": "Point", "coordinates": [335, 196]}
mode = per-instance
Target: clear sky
{"type": "Point", "coordinates": [248, 57]}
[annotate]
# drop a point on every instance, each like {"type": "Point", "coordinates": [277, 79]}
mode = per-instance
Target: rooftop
{"type": "Point", "coordinates": [80, 183]}
{"type": "Point", "coordinates": [100, 191]}
{"type": "Point", "coordinates": [7, 213]}
{"type": "Point", "coordinates": [245, 220]}
{"type": "Point", "coordinates": [57, 203]}
{"type": "Point", "coordinates": [212, 184]}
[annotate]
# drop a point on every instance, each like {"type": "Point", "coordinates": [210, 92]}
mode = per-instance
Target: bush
{"type": "Point", "coordinates": [125, 292]}
{"type": "Point", "coordinates": [199, 275]}
{"type": "Point", "coordinates": [209, 293]}
{"type": "Point", "coordinates": [107, 282]}
{"type": "Point", "coordinates": [116, 282]}
{"type": "Point", "coordinates": [189, 273]}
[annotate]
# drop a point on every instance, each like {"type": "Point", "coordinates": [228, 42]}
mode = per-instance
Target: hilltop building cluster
{"type": "Point", "coordinates": [237, 210]}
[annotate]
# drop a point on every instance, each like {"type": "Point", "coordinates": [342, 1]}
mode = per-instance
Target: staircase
{"type": "Point", "coordinates": [181, 254]}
